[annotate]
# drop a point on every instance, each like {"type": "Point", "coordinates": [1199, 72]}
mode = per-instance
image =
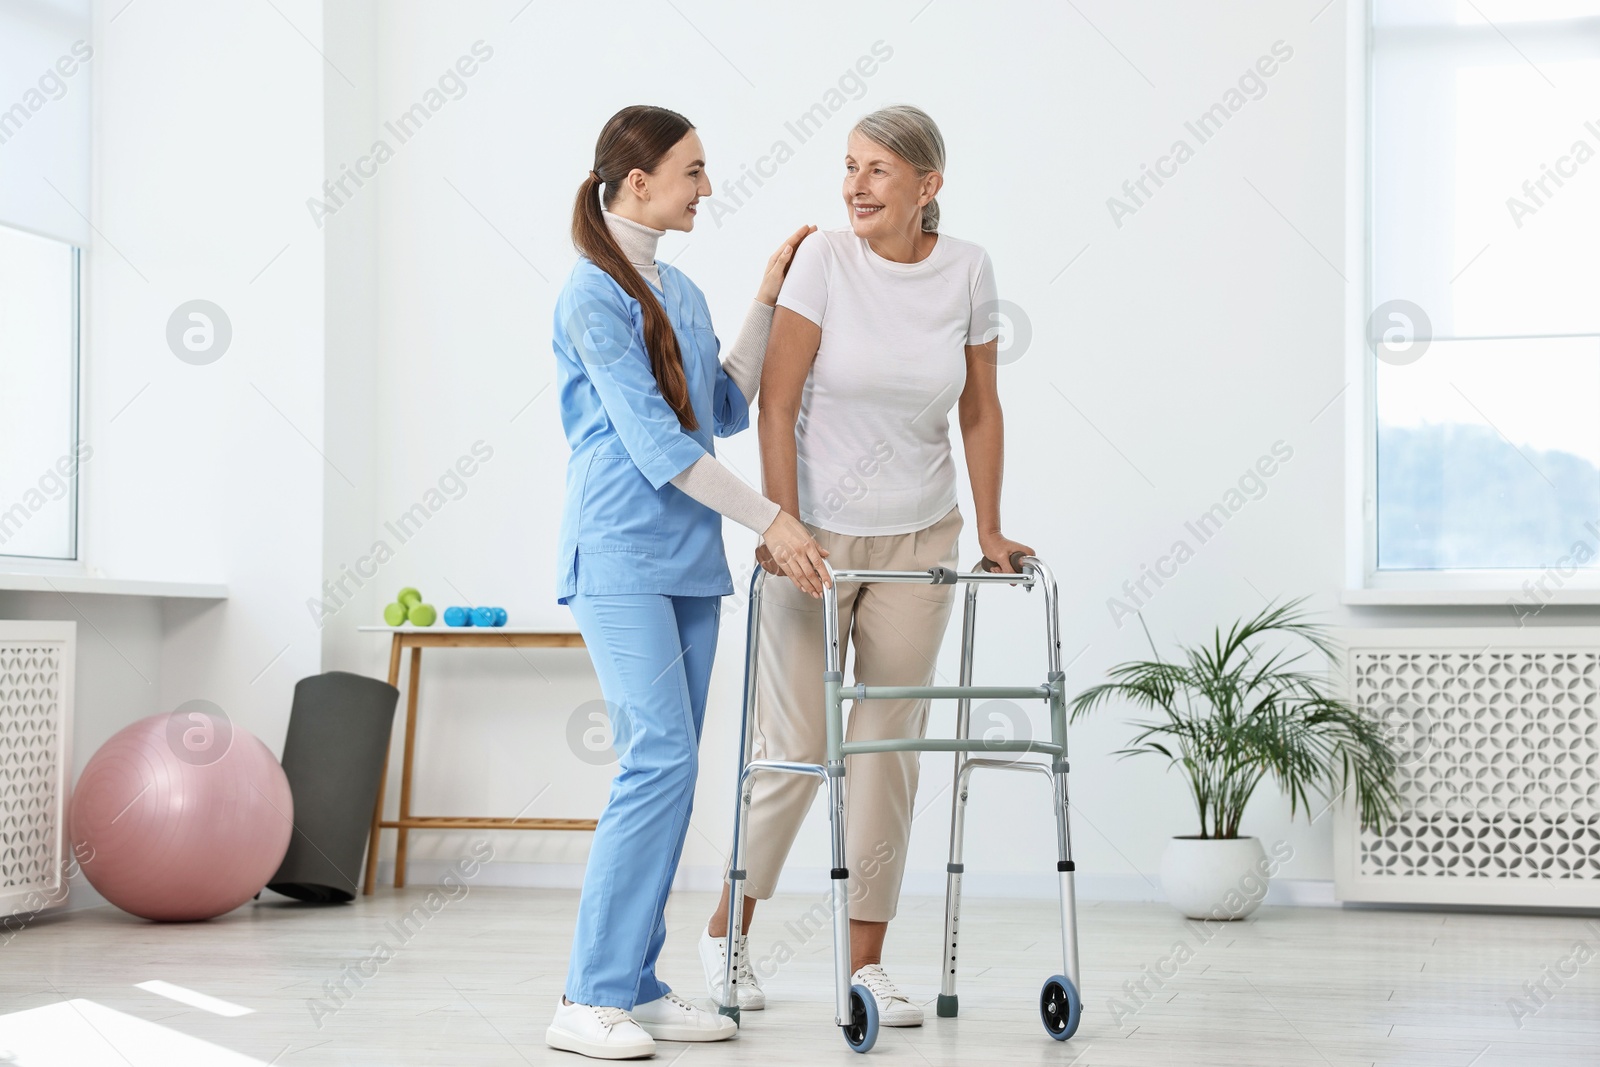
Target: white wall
{"type": "Point", "coordinates": [351, 241]}
{"type": "Point", "coordinates": [207, 139]}
{"type": "Point", "coordinates": [1169, 355]}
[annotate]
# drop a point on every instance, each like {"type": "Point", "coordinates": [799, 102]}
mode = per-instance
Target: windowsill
{"type": "Point", "coordinates": [1413, 597]}
{"type": "Point", "coordinates": [17, 581]}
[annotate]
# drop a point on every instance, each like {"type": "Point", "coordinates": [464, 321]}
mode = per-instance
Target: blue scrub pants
{"type": "Point", "coordinates": [653, 655]}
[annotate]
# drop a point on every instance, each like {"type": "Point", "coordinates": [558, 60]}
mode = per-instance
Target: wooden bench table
{"type": "Point", "coordinates": [417, 638]}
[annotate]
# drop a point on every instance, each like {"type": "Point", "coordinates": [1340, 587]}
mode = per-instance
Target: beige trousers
{"type": "Point", "coordinates": [896, 630]}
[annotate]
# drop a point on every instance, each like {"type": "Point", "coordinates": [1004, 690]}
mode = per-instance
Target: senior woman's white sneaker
{"type": "Point", "coordinates": [894, 1007]}
{"type": "Point", "coordinates": [599, 1032]}
{"type": "Point", "coordinates": [671, 1018]}
{"type": "Point", "coordinates": [713, 959]}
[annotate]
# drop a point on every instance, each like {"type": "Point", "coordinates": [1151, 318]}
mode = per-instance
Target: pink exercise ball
{"type": "Point", "coordinates": [181, 817]}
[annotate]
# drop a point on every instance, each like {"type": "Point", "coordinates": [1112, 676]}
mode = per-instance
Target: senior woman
{"type": "Point", "coordinates": [881, 327]}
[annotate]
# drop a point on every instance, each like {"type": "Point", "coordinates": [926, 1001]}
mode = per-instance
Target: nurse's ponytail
{"type": "Point", "coordinates": [637, 137]}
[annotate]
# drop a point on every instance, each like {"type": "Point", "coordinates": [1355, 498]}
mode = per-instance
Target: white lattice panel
{"type": "Point", "coordinates": [36, 661]}
{"type": "Point", "coordinates": [1500, 780]}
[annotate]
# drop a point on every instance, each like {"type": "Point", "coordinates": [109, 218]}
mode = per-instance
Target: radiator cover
{"type": "Point", "coordinates": [36, 671]}
{"type": "Point", "coordinates": [1499, 731]}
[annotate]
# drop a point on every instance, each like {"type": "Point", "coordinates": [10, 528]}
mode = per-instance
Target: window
{"type": "Point", "coordinates": [38, 396]}
{"type": "Point", "coordinates": [1484, 284]}
{"type": "Point", "coordinates": [46, 63]}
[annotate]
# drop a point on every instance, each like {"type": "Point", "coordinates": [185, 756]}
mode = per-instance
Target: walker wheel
{"type": "Point", "coordinates": [1060, 1008]}
{"type": "Point", "coordinates": [862, 1033]}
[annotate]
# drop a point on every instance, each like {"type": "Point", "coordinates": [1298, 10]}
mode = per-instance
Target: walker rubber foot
{"type": "Point", "coordinates": [732, 1013]}
{"type": "Point", "coordinates": [947, 1006]}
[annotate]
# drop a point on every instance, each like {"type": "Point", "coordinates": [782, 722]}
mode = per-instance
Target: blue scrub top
{"type": "Point", "coordinates": [624, 527]}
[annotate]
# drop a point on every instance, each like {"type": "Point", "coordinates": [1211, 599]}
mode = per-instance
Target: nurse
{"type": "Point", "coordinates": [641, 563]}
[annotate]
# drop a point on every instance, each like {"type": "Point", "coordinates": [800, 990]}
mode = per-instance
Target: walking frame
{"type": "Point", "coordinates": [855, 1009]}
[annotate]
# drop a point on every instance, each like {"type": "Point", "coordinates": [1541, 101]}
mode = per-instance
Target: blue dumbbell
{"type": "Point", "coordinates": [457, 617]}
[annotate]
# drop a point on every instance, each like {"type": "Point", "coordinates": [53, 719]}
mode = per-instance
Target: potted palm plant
{"type": "Point", "coordinates": [1231, 713]}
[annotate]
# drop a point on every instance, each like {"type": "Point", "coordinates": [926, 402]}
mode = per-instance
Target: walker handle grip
{"type": "Point", "coordinates": [991, 566]}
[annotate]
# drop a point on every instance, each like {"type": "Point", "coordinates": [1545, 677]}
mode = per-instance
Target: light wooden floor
{"type": "Point", "coordinates": [475, 982]}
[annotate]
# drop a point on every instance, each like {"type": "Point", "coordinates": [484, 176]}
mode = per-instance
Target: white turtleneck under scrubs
{"type": "Point", "coordinates": [707, 479]}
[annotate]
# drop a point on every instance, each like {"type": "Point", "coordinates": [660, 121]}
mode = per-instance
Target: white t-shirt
{"type": "Point", "coordinates": [873, 433]}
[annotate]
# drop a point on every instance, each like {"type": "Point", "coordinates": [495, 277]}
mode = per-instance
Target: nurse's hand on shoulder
{"type": "Point", "coordinates": [791, 550]}
{"type": "Point", "coordinates": [778, 266]}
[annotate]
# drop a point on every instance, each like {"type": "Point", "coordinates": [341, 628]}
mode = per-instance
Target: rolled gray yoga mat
{"type": "Point", "coordinates": [339, 732]}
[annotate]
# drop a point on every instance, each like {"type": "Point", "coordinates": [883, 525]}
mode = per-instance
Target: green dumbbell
{"type": "Point", "coordinates": [409, 596]}
{"type": "Point", "coordinates": [422, 615]}
{"type": "Point", "coordinates": [395, 614]}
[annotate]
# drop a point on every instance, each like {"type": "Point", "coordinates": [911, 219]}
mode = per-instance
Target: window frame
{"type": "Point", "coordinates": [73, 563]}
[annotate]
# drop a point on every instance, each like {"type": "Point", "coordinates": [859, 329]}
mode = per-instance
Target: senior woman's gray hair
{"type": "Point", "coordinates": [910, 133]}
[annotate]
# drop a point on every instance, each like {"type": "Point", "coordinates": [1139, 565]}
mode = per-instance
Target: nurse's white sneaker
{"type": "Point", "coordinates": [671, 1018]}
{"type": "Point", "coordinates": [599, 1032]}
{"type": "Point", "coordinates": [714, 957]}
{"type": "Point", "coordinates": [894, 1007]}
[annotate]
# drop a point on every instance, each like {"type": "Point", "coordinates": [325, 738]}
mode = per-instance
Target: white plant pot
{"type": "Point", "coordinates": [1214, 878]}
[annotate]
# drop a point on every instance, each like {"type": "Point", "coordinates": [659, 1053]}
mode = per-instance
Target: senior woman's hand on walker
{"type": "Point", "coordinates": [998, 547]}
{"type": "Point", "coordinates": [788, 548]}
{"type": "Point", "coordinates": [778, 266]}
